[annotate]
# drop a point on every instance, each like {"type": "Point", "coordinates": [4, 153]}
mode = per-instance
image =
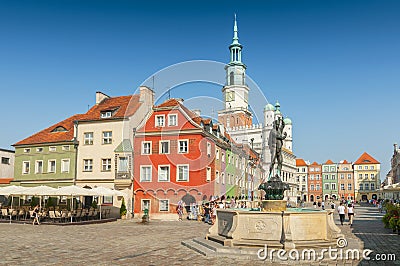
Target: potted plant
{"type": "Point", "coordinates": [122, 210]}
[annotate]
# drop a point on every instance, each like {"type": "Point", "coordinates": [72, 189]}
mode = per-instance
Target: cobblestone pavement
{"type": "Point", "coordinates": [158, 243]}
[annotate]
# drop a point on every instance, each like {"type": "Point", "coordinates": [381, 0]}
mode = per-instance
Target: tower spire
{"type": "Point", "coordinates": [235, 47]}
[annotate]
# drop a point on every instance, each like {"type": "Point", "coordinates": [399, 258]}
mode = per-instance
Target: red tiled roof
{"type": "Point", "coordinates": [5, 180]}
{"type": "Point", "coordinates": [365, 158]}
{"type": "Point", "coordinates": [300, 162]}
{"type": "Point", "coordinates": [174, 103]}
{"type": "Point", "coordinates": [329, 162]}
{"type": "Point", "coordinates": [345, 162]}
{"type": "Point", "coordinates": [124, 106]}
{"type": "Point", "coordinates": [48, 136]}
{"type": "Point", "coordinates": [314, 163]}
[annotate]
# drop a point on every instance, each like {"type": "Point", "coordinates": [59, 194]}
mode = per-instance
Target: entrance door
{"type": "Point", "coordinates": [312, 198]}
{"type": "Point", "coordinates": [364, 197]}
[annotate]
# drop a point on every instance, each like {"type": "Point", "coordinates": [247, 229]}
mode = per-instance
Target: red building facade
{"type": "Point", "coordinates": [314, 182]}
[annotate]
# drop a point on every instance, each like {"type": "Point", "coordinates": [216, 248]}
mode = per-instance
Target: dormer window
{"type": "Point", "coordinates": [59, 129]}
{"type": "Point", "coordinates": [106, 114]}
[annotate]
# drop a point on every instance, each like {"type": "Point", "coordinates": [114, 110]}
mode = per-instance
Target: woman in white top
{"type": "Point", "coordinates": [350, 212]}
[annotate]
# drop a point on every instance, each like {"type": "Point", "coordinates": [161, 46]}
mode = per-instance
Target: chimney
{"type": "Point", "coordinates": [101, 97]}
{"type": "Point", "coordinates": [146, 95]}
{"type": "Point", "coordinates": [197, 112]}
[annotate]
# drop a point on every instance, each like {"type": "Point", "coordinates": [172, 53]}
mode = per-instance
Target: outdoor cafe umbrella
{"type": "Point", "coordinates": [103, 191]}
{"type": "Point", "coordinates": [11, 191]}
{"type": "Point", "coordinates": [72, 191]}
{"type": "Point", "coordinates": [38, 191]}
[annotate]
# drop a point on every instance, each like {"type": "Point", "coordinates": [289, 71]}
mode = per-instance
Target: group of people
{"type": "Point", "coordinates": [343, 209]}
{"type": "Point", "coordinates": [207, 211]}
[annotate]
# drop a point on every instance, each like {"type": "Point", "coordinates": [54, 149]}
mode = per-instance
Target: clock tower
{"type": "Point", "coordinates": [235, 91]}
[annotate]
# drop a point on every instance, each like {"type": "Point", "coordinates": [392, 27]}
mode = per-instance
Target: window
{"type": "Point", "coordinates": [163, 173]}
{"type": "Point", "coordinates": [326, 169]}
{"type": "Point", "coordinates": [311, 177]}
{"type": "Point", "coordinates": [312, 187]}
{"type": "Point", "coordinates": [342, 186]}
{"type": "Point", "coordinates": [297, 179]}
{"type": "Point", "coordinates": [65, 166]}
{"type": "Point", "coordinates": [5, 160]}
{"type": "Point", "coordinates": [360, 168]}
{"type": "Point", "coordinates": [122, 164]}
{"type": "Point", "coordinates": [182, 172]}
{"type": "Point", "coordinates": [106, 114]}
{"type": "Point", "coordinates": [303, 170]}
{"type": "Point", "coordinates": [366, 167]}
{"type": "Point", "coordinates": [164, 147]}
{"type": "Point", "coordinates": [172, 120]}
{"type": "Point", "coordinates": [326, 186]}
{"type": "Point", "coordinates": [52, 148]}
{"type": "Point", "coordinates": [208, 175]}
{"type": "Point", "coordinates": [229, 158]}
{"type": "Point", "coordinates": [326, 176]}
{"type": "Point", "coordinates": [366, 186]}
{"type": "Point", "coordinates": [27, 150]}
{"type": "Point", "coordinates": [372, 176]}
{"type": "Point", "coordinates": [318, 187]}
{"type": "Point", "coordinates": [333, 185]}
{"type": "Point", "coordinates": [88, 138]}
{"type": "Point", "coordinates": [303, 188]}
{"type": "Point", "coordinates": [145, 173]}
{"type": "Point", "coordinates": [209, 149]}
{"type": "Point", "coordinates": [371, 167]}
{"type": "Point", "coordinates": [341, 176]}
{"type": "Point", "coordinates": [317, 177]}
{"type": "Point", "coordinates": [88, 165]}
{"type": "Point", "coordinates": [145, 204]}
{"type": "Point", "coordinates": [107, 137]}
{"type": "Point", "coordinates": [39, 167]}
{"type": "Point", "coordinates": [372, 186]}
{"type": "Point", "coordinates": [52, 166]}
{"type": "Point", "coordinates": [160, 120]}
{"type": "Point", "coordinates": [348, 186]}
{"type": "Point", "coordinates": [164, 205]}
{"type": "Point", "coordinates": [312, 169]}
{"type": "Point", "coordinates": [26, 167]}
{"type": "Point", "coordinates": [348, 176]}
{"type": "Point", "coordinates": [66, 148]}
{"type": "Point", "coordinates": [223, 178]}
{"type": "Point", "coordinates": [223, 157]}
{"type": "Point", "coordinates": [108, 199]}
{"type": "Point", "coordinates": [40, 149]}
{"type": "Point", "coordinates": [333, 169]}
{"type": "Point", "coordinates": [304, 179]}
{"type": "Point", "coordinates": [361, 187]}
{"type": "Point", "coordinates": [217, 154]}
{"type": "Point", "coordinates": [333, 177]}
{"type": "Point", "coordinates": [366, 175]}
{"type": "Point", "coordinates": [360, 176]}
{"type": "Point", "coordinates": [183, 146]}
{"type": "Point", "coordinates": [146, 147]}
{"type": "Point", "coordinates": [106, 165]}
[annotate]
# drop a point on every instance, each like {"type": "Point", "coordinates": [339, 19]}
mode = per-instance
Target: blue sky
{"type": "Point", "coordinates": [333, 65]}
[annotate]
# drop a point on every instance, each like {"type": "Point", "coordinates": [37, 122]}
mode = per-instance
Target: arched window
{"type": "Point", "coordinates": [231, 78]}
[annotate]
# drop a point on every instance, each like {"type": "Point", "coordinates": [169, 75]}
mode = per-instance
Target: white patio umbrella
{"type": "Point", "coordinates": [72, 191]}
{"type": "Point", "coordinates": [11, 191]}
{"type": "Point", "coordinates": [103, 191]}
{"type": "Point", "coordinates": [38, 191]}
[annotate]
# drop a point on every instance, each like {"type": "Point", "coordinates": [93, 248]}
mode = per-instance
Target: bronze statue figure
{"type": "Point", "coordinates": [275, 142]}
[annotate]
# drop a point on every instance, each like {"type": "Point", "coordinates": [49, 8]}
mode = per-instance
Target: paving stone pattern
{"type": "Point", "coordinates": [128, 242]}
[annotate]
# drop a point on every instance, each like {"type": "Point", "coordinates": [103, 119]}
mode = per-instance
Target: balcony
{"type": "Point", "coordinates": [123, 180]}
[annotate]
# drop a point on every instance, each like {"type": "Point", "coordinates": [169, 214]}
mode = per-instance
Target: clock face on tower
{"type": "Point", "coordinates": [239, 71]}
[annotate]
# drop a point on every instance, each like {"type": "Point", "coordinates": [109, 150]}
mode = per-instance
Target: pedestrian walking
{"type": "Point", "coordinates": [342, 212]}
{"type": "Point", "coordinates": [36, 215]}
{"type": "Point", "coordinates": [179, 210]}
{"type": "Point", "coordinates": [350, 213]}
{"type": "Point", "coordinates": [323, 205]}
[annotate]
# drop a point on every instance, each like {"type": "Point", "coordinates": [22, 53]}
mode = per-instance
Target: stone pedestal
{"type": "Point", "coordinates": [273, 205]}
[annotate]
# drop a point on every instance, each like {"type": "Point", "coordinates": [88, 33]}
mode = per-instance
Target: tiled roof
{"type": "Point", "coordinates": [123, 106]}
{"type": "Point", "coordinates": [365, 158]}
{"type": "Point", "coordinates": [48, 136]}
{"type": "Point", "coordinates": [314, 163]}
{"type": "Point", "coordinates": [345, 162]}
{"type": "Point", "coordinates": [5, 180]}
{"type": "Point", "coordinates": [329, 162]}
{"type": "Point", "coordinates": [300, 162]}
